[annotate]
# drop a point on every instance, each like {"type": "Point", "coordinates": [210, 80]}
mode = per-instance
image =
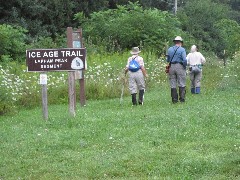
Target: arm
{"type": "Point", "coordinates": [184, 58]}
{"type": "Point", "coordinates": [168, 55]}
{"type": "Point", "coordinates": [144, 71]}
{"type": "Point", "coordinates": [203, 60]}
{"type": "Point", "coordinates": [188, 59]}
{"type": "Point", "coordinates": [141, 63]}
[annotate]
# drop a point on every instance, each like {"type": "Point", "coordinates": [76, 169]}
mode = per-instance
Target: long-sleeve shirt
{"type": "Point", "coordinates": [179, 57]}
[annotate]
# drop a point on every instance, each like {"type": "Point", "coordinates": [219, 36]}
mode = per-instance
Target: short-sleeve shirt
{"type": "Point", "coordinates": [179, 56]}
{"type": "Point", "coordinates": [139, 59]}
{"type": "Point", "coordinates": [195, 58]}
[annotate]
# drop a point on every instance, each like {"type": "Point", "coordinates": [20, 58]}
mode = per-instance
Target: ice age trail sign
{"type": "Point", "coordinates": [71, 59]}
{"type": "Point", "coordinates": [66, 59]}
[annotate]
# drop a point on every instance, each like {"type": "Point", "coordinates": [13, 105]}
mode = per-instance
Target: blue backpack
{"type": "Point", "coordinates": [134, 65]}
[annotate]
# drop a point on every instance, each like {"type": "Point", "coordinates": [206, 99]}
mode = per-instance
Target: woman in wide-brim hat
{"type": "Point", "coordinates": [135, 50]}
{"type": "Point", "coordinates": [136, 70]}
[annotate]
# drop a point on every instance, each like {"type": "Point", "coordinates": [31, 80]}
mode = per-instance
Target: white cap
{"type": "Point", "coordinates": [178, 38]}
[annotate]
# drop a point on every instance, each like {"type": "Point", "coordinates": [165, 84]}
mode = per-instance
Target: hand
{"type": "Point", "coordinates": [125, 71]}
{"type": "Point", "coordinates": [122, 79]}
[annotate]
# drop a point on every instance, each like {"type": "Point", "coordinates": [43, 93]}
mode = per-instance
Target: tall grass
{"type": "Point", "coordinates": [107, 140]}
{"type": "Point", "coordinates": [104, 78]}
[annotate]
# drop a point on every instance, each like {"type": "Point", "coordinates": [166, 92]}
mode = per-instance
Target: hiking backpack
{"type": "Point", "coordinates": [134, 65]}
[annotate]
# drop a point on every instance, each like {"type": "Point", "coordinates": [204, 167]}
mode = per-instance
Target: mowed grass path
{"type": "Point", "coordinates": [199, 139]}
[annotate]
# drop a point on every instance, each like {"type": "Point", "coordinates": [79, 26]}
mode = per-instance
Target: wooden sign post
{"type": "Point", "coordinates": [43, 82]}
{"type": "Point", "coordinates": [66, 59]}
{"type": "Point", "coordinates": [74, 40]}
{"type": "Point", "coordinates": [71, 77]}
{"type": "Point", "coordinates": [79, 74]}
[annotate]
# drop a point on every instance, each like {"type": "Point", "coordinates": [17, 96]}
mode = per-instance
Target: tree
{"type": "Point", "coordinates": [198, 18]}
{"type": "Point", "coordinates": [40, 18]}
{"type": "Point", "coordinates": [234, 5]}
{"type": "Point", "coordinates": [228, 32]}
{"type": "Point", "coordinates": [89, 6]}
{"type": "Point", "coordinates": [164, 5]}
{"type": "Point", "coordinates": [12, 43]}
{"type": "Point", "coordinates": [129, 26]}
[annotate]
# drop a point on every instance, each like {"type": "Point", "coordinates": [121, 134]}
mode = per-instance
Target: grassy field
{"type": "Point", "coordinates": [108, 140]}
{"type": "Point", "coordinates": [199, 139]}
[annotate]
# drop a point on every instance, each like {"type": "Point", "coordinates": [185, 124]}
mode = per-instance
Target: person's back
{"type": "Point", "coordinates": [177, 57]}
{"type": "Point", "coordinates": [195, 57]}
{"type": "Point", "coordinates": [177, 71]}
{"type": "Point", "coordinates": [195, 61]}
{"type": "Point", "coordinates": [136, 75]}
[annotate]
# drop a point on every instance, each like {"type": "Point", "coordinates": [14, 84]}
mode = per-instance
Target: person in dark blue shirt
{"type": "Point", "coordinates": [177, 72]}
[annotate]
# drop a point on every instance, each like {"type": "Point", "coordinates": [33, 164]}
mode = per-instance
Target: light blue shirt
{"type": "Point", "coordinates": [179, 57]}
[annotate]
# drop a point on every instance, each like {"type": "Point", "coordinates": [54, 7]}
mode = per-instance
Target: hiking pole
{"type": "Point", "coordinates": [122, 92]}
{"type": "Point", "coordinates": [121, 98]}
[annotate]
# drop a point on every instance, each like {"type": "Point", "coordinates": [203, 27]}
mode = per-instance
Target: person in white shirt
{"type": "Point", "coordinates": [137, 72]}
{"type": "Point", "coordinates": [195, 61]}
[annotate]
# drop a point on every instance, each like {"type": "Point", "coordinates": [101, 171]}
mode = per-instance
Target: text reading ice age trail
{"type": "Point", "coordinates": [46, 54]}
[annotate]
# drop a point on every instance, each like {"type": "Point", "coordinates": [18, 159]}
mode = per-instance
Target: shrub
{"type": "Point", "coordinates": [12, 44]}
{"type": "Point", "coordinates": [48, 42]}
{"type": "Point", "coordinates": [229, 37]}
{"type": "Point", "coordinates": [198, 19]}
{"type": "Point", "coordinates": [130, 25]}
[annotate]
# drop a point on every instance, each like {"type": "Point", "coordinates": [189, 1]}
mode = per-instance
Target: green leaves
{"type": "Point", "coordinates": [129, 26]}
{"type": "Point", "coordinates": [229, 36]}
{"type": "Point", "coordinates": [198, 19]}
{"type": "Point", "coordinates": [12, 41]}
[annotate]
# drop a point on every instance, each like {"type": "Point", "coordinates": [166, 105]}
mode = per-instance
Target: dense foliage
{"type": "Point", "coordinates": [116, 25]}
{"type": "Point", "coordinates": [228, 41]}
{"type": "Point", "coordinates": [46, 18]}
{"type": "Point", "coordinates": [12, 44]}
{"type": "Point", "coordinates": [204, 20]}
{"type": "Point", "coordinates": [40, 18]}
{"type": "Point", "coordinates": [129, 26]}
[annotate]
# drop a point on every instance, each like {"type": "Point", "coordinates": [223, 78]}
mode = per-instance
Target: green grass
{"type": "Point", "coordinates": [199, 139]}
{"type": "Point", "coordinates": [196, 140]}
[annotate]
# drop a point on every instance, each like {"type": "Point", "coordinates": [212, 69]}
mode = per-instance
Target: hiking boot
{"type": "Point", "coordinates": [193, 90]}
{"type": "Point", "coordinates": [197, 90]}
{"type": "Point", "coordinates": [134, 99]}
{"type": "Point", "coordinates": [182, 93]}
{"type": "Point", "coordinates": [141, 97]}
{"type": "Point", "coordinates": [174, 95]}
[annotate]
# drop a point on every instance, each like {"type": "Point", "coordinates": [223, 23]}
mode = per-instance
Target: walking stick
{"type": "Point", "coordinates": [122, 92]}
{"type": "Point", "coordinates": [121, 98]}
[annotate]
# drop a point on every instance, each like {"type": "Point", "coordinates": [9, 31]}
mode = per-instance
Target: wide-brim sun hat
{"type": "Point", "coordinates": [178, 38]}
{"type": "Point", "coordinates": [135, 50]}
